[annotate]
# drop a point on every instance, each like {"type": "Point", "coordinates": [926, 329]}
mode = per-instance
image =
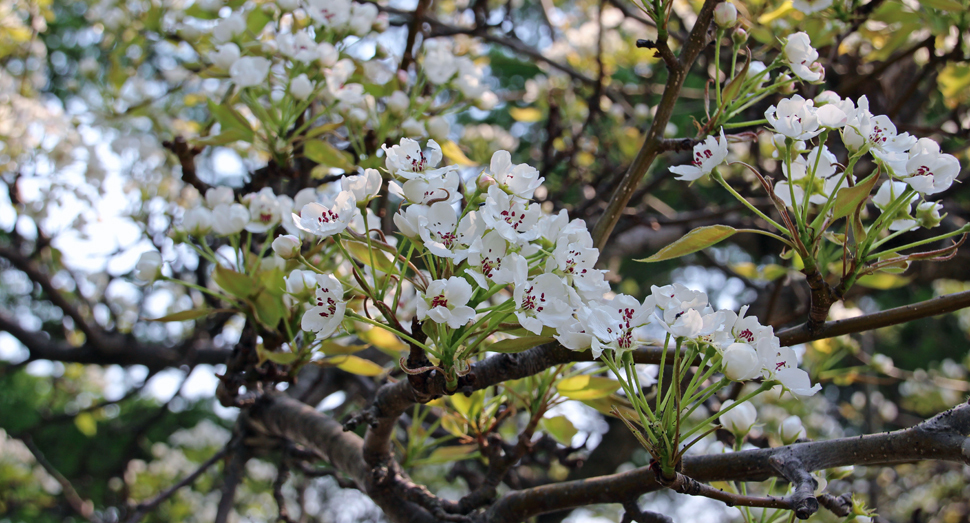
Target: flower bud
{"type": "Point", "coordinates": [149, 267]}
{"type": "Point", "coordinates": [740, 419]}
{"type": "Point", "coordinates": [791, 430]}
{"type": "Point", "coordinates": [726, 15]}
{"type": "Point", "coordinates": [484, 182]}
{"type": "Point", "coordinates": [412, 128]}
{"type": "Point", "coordinates": [741, 362]}
{"type": "Point", "coordinates": [398, 103]}
{"type": "Point", "coordinates": [739, 37]}
{"type": "Point", "coordinates": [438, 128]}
{"type": "Point", "coordinates": [287, 246]}
{"type": "Point", "coordinates": [301, 87]}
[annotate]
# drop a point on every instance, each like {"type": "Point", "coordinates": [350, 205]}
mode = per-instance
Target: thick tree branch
{"type": "Point", "coordinates": [923, 309]}
{"type": "Point", "coordinates": [677, 70]}
{"type": "Point", "coordinates": [944, 437]}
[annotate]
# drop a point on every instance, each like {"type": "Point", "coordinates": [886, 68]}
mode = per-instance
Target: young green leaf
{"type": "Point", "coordinates": [191, 314]}
{"type": "Point", "coordinates": [513, 345]}
{"type": "Point", "coordinates": [235, 283]}
{"type": "Point", "coordinates": [849, 199]}
{"type": "Point", "coordinates": [586, 387]}
{"type": "Point", "coordinates": [695, 240]}
{"type": "Point", "coordinates": [323, 153]}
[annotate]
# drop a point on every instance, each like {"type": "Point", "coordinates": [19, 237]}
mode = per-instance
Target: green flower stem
{"type": "Point", "coordinates": [764, 386]}
{"type": "Point", "coordinates": [719, 179]}
{"type": "Point", "coordinates": [961, 230]}
{"type": "Point", "coordinates": [201, 289]}
{"type": "Point", "coordinates": [717, 66]}
{"type": "Point", "coordinates": [799, 222]}
{"type": "Point", "coordinates": [492, 314]}
{"type": "Point", "coordinates": [811, 176]}
{"type": "Point", "coordinates": [663, 362]}
{"type": "Point", "coordinates": [631, 371]}
{"type": "Point", "coordinates": [392, 330]}
{"type": "Point", "coordinates": [817, 222]}
{"type": "Point", "coordinates": [207, 253]}
{"type": "Point", "coordinates": [607, 358]}
{"type": "Point", "coordinates": [751, 123]}
{"type": "Point", "coordinates": [891, 236]}
{"type": "Point", "coordinates": [306, 262]}
{"type": "Point", "coordinates": [701, 375]}
{"type": "Point", "coordinates": [880, 222]}
{"type": "Point", "coordinates": [705, 394]}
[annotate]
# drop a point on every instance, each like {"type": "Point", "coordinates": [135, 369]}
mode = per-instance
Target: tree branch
{"type": "Point", "coordinates": [146, 506]}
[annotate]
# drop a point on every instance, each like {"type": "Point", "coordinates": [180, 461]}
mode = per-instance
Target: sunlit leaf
{"type": "Point", "coordinates": [560, 428]}
{"type": "Point", "coordinates": [86, 423]}
{"type": "Point", "coordinates": [883, 281]}
{"type": "Point", "coordinates": [371, 256]}
{"type": "Point", "coordinates": [449, 454]}
{"type": "Point", "coordinates": [586, 387]}
{"type": "Point", "coordinates": [454, 153]}
{"type": "Point", "coordinates": [357, 365]}
{"type": "Point", "coordinates": [323, 153]}
{"type": "Point", "coordinates": [848, 199]}
{"type": "Point", "coordinates": [469, 406]}
{"type": "Point", "coordinates": [525, 114]}
{"type": "Point", "coordinates": [235, 283]}
{"type": "Point", "coordinates": [695, 240]}
{"type": "Point", "coordinates": [282, 358]}
{"type": "Point", "coordinates": [513, 345]}
{"type": "Point", "coordinates": [191, 314]}
{"type": "Point", "coordinates": [383, 340]}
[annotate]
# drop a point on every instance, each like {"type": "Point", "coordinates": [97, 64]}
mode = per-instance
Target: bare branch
{"type": "Point", "coordinates": [84, 508]}
{"type": "Point", "coordinates": [146, 506]}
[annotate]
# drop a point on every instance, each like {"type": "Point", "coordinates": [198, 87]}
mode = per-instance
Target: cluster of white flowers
{"type": "Point", "coordinates": [501, 245]}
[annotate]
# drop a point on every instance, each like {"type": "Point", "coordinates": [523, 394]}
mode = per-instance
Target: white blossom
{"type": "Point", "coordinates": [514, 219]}
{"type": "Point", "coordinates": [741, 362]}
{"type": "Point", "coordinates": [738, 419]}
{"type": "Point", "coordinates": [542, 301]}
{"type": "Point", "coordinates": [520, 180]}
{"type": "Point", "coordinates": [287, 246]}
{"type": "Point", "coordinates": [329, 13]}
{"type": "Point", "coordinates": [928, 171]}
{"type": "Point", "coordinates": [365, 187]}
{"type": "Point", "coordinates": [802, 57]}
{"type": "Point", "coordinates": [215, 196]}
{"type": "Point", "coordinates": [224, 56]}
{"type": "Point", "coordinates": [327, 218]}
{"type": "Point", "coordinates": [328, 309]}
{"type": "Point", "coordinates": [489, 259]}
{"type": "Point", "coordinates": [791, 430]}
{"type": "Point", "coordinates": [197, 221]}
{"type": "Point", "coordinates": [445, 302]}
{"type": "Point", "coordinates": [264, 210]}
{"type": "Point", "coordinates": [889, 192]}
{"type": "Point", "coordinates": [794, 118]}
{"type": "Point", "coordinates": [249, 71]}
{"type": "Point", "coordinates": [301, 87]}
{"type": "Point", "coordinates": [707, 155]}
{"type": "Point", "coordinates": [149, 267]}
{"type": "Point", "coordinates": [229, 218]}
{"type": "Point", "coordinates": [408, 160]}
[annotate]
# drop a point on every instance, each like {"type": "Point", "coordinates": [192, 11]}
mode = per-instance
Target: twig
{"type": "Point", "coordinates": [84, 508]}
{"type": "Point", "coordinates": [144, 507]}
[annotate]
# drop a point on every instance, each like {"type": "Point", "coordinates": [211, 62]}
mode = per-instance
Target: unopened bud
{"type": "Point", "coordinates": [739, 37]}
{"type": "Point", "coordinates": [928, 214]}
{"type": "Point", "coordinates": [287, 246]}
{"type": "Point", "coordinates": [726, 15]}
{"type": "Point", "coordinates": [485, 181]}
{"type": "Point", "coordinates": [791, 430]}
{"type": "Point", "coordinates": [740, 419]}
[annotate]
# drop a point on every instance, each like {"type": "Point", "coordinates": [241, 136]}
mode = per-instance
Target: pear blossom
{"type": "Point", "coordinates": [780, 364]}
{"type": "Point", "coordinates": [740, 362]}
{"type": "Point", "coordinates": [612, 323]}
{"type": "Point", "coordinates": [302, 282]}
{"type": "Point", "coordinates": [329, 13]}
{"type": "Point", "coordinates": [229, 218]}
{"type": "Point", "coordinates": [428, 191]}
{"type": "Point", "coordinates": [398, 102]}
{"type": "Point", "coordinates": [863, 129]}
{"type": "Point", "coordinates": [249, 71]}
{"type": "Point", "coordinates": [264, 210]}
{"type": "Point", "coordinates": [445, 302]}
{"type": "Point", "coordinates": [739, 419]}
{"type": "Point", "coordinates": [149, 267]}
{"type": "Point", "coordinates": [215, 196]}
{"type": "Point", "coordinates": [362, 17]}
{"type": "Point", "coordinates": [489, 259]}
{"type": "Point", "coordinates": [412, 128]}
{"type": "Point", "coordinates": [889, 192]}
{"type": "Point", "coordinates": [364, 187]}
{"type": "Point", "coordinates": [791, 430]}
{"type": "Point", "coordinates": [438, 127]}
{"type": "Point", "coordinates": [802, 57]}
{"type": "Point", "coordinates": [301, 87]}
{"type": "Point", "coordinates": [287, 246]}
{"type": "Point", "coordinates": [327, 54]}
{"type": "Point", "coordinates": [707, 155]}
{"type": "Point", "coordinates": [408, 220]}
{"type": "Point", "coordinates": [542, 302]}
{"type": "Point", "coordinates": [328, 309]}
{"type": "Point", "coordinates": [229, 27]}
{"type": "Point", "coordinates": [225, 55]}
{"type": "Point", "coordinates": [575, 262]}
{"type": "Point", "coordinates": [408, 160]}
{"type": "Point", "coordinates": [439, 64]}
{"type": "Point", "coordinates": [573, 335]}
{"type": "Point", "coordinates": [327, 218]}
{"type": "Point", "coordinates": [794, 118]}
{"type": "Point", "coordinates": [197, 221]}
{"type": "Point", "coordinates": [519, 180]}
{"type": "Point", "coordinates": [514, 219]}
{"type": "Point", "coordinates": [928, 171]}
{"type": "Point", "coordinates": [299, 46]}
{"type": "Point", "coordinates": [444, 235]}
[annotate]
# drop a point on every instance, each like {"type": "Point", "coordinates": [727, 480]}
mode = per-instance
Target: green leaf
{"type": "Point", "coordinates": [257, 20]}
{"type": "Point", "coordinates": [586, 387]}
{"type": "Point", "coordinates": [196, 11]}
{"type": "Point", "coordinates": [371, 256]}
{"type": "Point", "coordinates": [282, 358]}
{"type": "Point", "coordinates": [322, 129]}
{"type": "Point", "coordinates": [269, 309]}
{"type": "Point", "coordinates": [560, 428]}
{"type": "Point", "coordinates": [513, 345]}
{"type": "Point", "coordinates": [883, 281]}
{"type": "Point", "coordinates": [849, 199]}
{"type": "Point", "coordinates": [228, 136]}
{"type": "Point", "coordinates": [469, 406]}
{"type": "Point", "coordinates": [228, 118]}
{"type": "Point", "coordinates": [357, 365]}
{"type": "Point", "coordinates": [235, 283]}
{"type": "Point", "coordinates": [699, 238]}
{"type": "Point", "coordinates": [525, 114]}
{"type": "Point", "coordinates": [191, 314]}
{"type": "Point", "coordinates": [325, 154]}
{"type": "Point", "coordinates": [449, 454]}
